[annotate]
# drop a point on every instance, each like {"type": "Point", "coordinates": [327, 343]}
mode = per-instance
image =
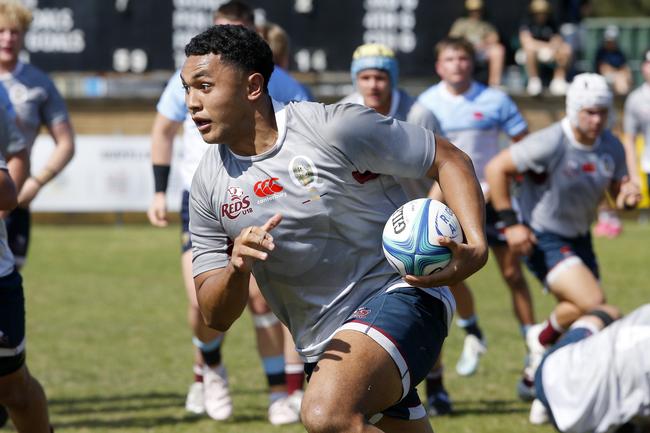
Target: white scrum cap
{"type": "Point", "coordinates": [587, 90]}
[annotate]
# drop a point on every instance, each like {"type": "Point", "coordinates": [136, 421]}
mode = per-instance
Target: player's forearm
{"type": "Point", "coordinates": [162, 140]}
{"type": "Point", "coordinates": [498, 181]}
{"type": "Point", "coordinates": [18, 165]}
{"type": "Point", "coordinates": [631, 159]}
{"type": "Point", "coordinates": [222, 297]}
{"type": "Point", "coordinates": [8, 197]}
{"type": "Point", "coordinates": [63, 152]}
{"type": "Point", "coordinates": [463, 194]}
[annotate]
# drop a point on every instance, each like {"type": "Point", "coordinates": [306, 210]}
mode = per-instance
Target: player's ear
{"type": "Point", "coordinates": [255, 86]}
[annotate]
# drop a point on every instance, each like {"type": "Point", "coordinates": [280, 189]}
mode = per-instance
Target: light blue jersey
{"type": "Point", "coordinates": [473, 120]}
{"type": "Point", "coordinates": [282, 87]}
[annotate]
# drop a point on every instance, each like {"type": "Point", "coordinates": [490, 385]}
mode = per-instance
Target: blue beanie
{"type": "Point", "coordinates": [375, 56]}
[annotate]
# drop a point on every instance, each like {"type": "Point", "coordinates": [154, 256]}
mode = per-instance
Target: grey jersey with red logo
{"type": "Point", "coordinates": [636, 120]}
{"type": "Point", "coordinates": [322, 176]}
{"type": "Point", "coordinates": [565, 181]}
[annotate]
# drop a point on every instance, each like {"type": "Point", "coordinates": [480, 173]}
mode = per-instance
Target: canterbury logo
{"type": "Point", "coordinates": [267, 187]}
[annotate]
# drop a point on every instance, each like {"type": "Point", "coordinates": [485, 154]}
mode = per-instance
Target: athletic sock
{"type": "Point", "coordinates": [198, 373]}
{"type": "Point", "coordinates": [275, 396]}
{"type": "Point", "coordinates": [274, 370]}
{"type": "Point", "coordinates": [294, 374]}
{"type": "Point", "coordinates": [523, 330]}
{"type": "Point", "coordinates": [211, 350]}
{"type": "Point", "coordinates": [470, 325]}
{"type": "Point", "coordinates": [434, 382]}
{"type": "Point", "coordinates": [551, 331]}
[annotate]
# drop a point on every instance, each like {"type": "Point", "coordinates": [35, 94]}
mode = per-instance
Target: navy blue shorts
{"type": "Point", "coordinates": [186, 242]}
{"type": "Point", "coordinates": [18, 224]}
{"type": "Point", "coordinates": [12, 323]}
{"type": "Point", "coordinates": [571, 336]}
{"type": "Point", "coordinates": [551, 249]}
{"type": "Point", "coordinates": [411, 326]}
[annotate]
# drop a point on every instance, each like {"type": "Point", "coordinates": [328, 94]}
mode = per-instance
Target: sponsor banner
{"type": "Point", "coordinates": [109, 173]}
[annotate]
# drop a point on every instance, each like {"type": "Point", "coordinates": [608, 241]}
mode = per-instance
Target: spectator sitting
{"type": "Point", "coordinates": [542, 43]}
{"type": "Point", "coordinates": [612, 64]}
{"type": "Point", "coordinates": [483, 37]}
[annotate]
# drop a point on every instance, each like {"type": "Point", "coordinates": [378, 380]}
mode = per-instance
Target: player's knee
{"type": "Point", "coordinates": [591, 300]}
{"type": "Point", "coordinates": [514, 278]}
{"type": "Point", "coordinates": [322, 416]}
{"type": "Point", "coordinates": [14, 389]}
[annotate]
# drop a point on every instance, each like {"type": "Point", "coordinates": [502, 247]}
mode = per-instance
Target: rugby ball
{"type": "Point", "coordinates": [410, 238]}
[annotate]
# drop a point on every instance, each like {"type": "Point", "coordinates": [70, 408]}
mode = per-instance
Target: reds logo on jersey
{"type": "Point", "coordinates": [239, 203]}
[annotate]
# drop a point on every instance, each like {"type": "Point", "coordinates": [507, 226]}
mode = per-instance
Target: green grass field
{"type": "Point", "coordinates": [107, 335]}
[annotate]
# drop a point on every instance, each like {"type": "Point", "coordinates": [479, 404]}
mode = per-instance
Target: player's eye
{"type": "Point", "coordinates": [205, 86]}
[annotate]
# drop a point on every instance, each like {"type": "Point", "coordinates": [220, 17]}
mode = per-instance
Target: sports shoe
{"type": "Point", "coordinates": [538, 413]}
{"type": "Point", "coordinates": [526, 386]}
{"type": "Point", "coordinates": [535, 348]}
{"type": "Point", "coordinates": [295, 400]}
{"type": "Point", "coordinates": [439, 403]}
{"type": "Point", "coordinates": [558, 87]}
{"type": "Point", "coordinates": [283, 411]}
{"type": "Point", "coordinates": [601, 229]}
{"type": "Point", "coordinates": [194, 401]}
{"type": "Point", "coordinates": [216, 396]}
{"type": "Point", "coordinates": [534, 87]}
{"type": "Point", "coordinates": [473, 349]}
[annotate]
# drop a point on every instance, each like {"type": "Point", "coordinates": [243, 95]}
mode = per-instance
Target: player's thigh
{"type": "Point", "coordinates": [575, 283]}
{"type": "Point", "coordinates": [355, 376]}
{"type": "Point", "coordinates": [256, 302]}
{"type": "Point", "coordinates": [188, 280]}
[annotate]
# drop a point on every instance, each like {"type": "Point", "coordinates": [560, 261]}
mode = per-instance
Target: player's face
{"type": "Point", "coordinates": [11, 40]}
{"type": "Point", "coordinates": [374, 86]}
{"type": "Point", "coordinates": [592, 122]}
{"type": "Point", "coordinates": [216, 97]}
{"type": "Point", "coordinates": [454, 67]}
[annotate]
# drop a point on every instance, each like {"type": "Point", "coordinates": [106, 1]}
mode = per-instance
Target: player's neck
{"type": "Point", "coordinates": [459, 88]}
{"type": "Point", "coordinates": [263, 135]}
{"type": "Point", "coordinates": [582, 138]}
{"type": "Point", "coordinates": [8, 66]}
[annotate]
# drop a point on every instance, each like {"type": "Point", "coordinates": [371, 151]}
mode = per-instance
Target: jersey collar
{"type": "Point", "coordinates": [281, 121]}
{"type": "Point", "coordinates": [16, 71]}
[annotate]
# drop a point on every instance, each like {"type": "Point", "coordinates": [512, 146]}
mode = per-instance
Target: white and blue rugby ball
{"type": "Point", "coordinates": [410, 237]}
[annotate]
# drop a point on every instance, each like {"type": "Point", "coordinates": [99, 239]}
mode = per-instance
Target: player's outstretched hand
{"type": "Point", "coordinates": [157, 212]}
{"type": "Point", "coordinates": [253, 243]}
{"type": "Point", "coordinates": [521, 239]}
{"type": "Point", "coordinates": [465, 260]}
{"type": "Point", "coordinates": [629, 195]}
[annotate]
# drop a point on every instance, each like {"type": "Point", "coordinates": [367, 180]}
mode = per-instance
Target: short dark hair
{"type": "Point", "coordinates": [237, 46]}
{"type": "Point", "coordinates": [236, 10]}
{"type": "Point", "coordinates": [455, 43]}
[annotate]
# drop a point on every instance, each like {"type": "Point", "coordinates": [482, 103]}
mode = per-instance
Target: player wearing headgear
{"type": "Point", "coordinates": [375, 75]}
{"type": "Point", "coordinates": [314, 243]}
{"type": "Point", "coordinates": [209, 392]}
{"type": "Point", "coordinates": [472, 116]}
{"type": "Point", "coordinates": [567, 168]}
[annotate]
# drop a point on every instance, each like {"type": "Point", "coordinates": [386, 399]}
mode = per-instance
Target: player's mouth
{"type": "Point", "coordinates": [202, 125]}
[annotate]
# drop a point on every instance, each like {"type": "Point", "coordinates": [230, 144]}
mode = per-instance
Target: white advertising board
{"type": "Point", "coordinates": [109, 173]}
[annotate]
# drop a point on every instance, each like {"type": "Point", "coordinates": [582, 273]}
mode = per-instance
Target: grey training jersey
{"type": "Point", "coordinates": [565, 181]}
{"type": "Point", "coordinates": [330, 175]}
{"type": "Point", "coordinates": [602, 381]}
{"type": "Point", "coordinates": [406, 108]}
{"type": "Point", "coordinates": [35, 99]}
{"type": "Point", "coordinates": [636, 120]}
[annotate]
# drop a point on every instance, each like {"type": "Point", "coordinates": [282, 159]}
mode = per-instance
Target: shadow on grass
{"type": "Point", "coordinates": [138, 410]}
{"type": "Point", "coordinates": [489, 407]}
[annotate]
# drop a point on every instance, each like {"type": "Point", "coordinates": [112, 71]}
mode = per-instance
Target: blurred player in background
{"type": "Point", "coordinates": [596, 378]}
{"type": "Point", "coordinates": [209, 392]}
{"type": "Point", "coordinates": [20, 393]}
{"type": "Point", "coordinates": [37, 103]}
{"type": "Point", "coordinates": [472, 116]}
{"type": "Point", "coordinates": [375, 75]}
{"type": "Point", "coordinates": [567, 168]}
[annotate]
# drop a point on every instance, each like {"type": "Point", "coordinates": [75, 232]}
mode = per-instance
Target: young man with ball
{"type": "Point", "coordinates": [368, 335]}
{"type": "Point", "coordinates": [567, 168]}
